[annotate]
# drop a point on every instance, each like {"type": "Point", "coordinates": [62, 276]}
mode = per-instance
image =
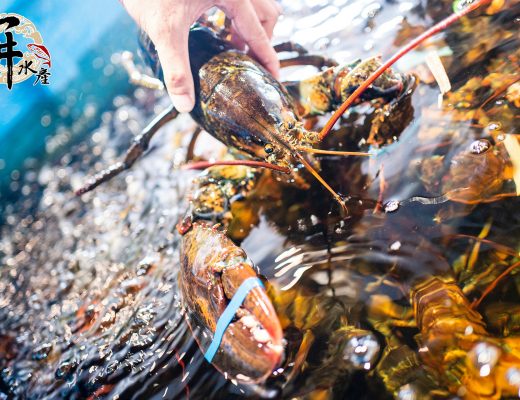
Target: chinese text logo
{"type": "Point", "coordinates": [22, 53]}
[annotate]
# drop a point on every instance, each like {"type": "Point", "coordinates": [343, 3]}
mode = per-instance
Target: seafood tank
{"type": "Point", "coordinates": [411, 291]}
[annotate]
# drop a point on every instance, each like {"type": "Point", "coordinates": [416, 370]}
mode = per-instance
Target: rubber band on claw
{"type": "Point", "coordinates": [229, 313]}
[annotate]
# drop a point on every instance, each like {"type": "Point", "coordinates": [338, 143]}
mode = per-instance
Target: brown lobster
{"type": "Point", "coordinates": [243, 106]}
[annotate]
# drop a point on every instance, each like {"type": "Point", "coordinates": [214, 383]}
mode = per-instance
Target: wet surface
{"type": "Point", "coordinates": [89, 301]}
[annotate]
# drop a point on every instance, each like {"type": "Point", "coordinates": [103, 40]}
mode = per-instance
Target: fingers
{"type": "Point", "coordinates": [268, 12]}
{"type": "Point", "coordinates": [168, 27]}
{"type": "Point", "coordinates": [249, 27]}
{"type": "Point", "coordinates": [172, 48]}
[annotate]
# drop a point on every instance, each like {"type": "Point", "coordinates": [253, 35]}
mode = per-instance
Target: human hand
{"type": "Point", "coordinates": [167, 22]}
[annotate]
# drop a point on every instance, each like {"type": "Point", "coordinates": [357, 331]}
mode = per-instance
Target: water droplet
{"type": "Point", "coordinates": [45, 120]}
{"type": "Point", "coordinates": [111, 367]}
{"type": "Point", "coordinates": [406, 392]}
{"type": "Point", "coordinates": [513, 376]}
{"type": "Point", "coordinates": [463, 104]}
{"type": "Point", "coordinates": [371, 10]}
{"type": "Point", "coordinates": [479, 146]}
{"type": "Point", "coordinates": [369, 45]}
{"type": "Point", "coordinates": [65, 369]}
{"type": "Point", "coordinates": [494, 126]}
{"type": "Point", "coordinates": [395, 246]}
{"type": "Point", "coordinates": [361, 350]}
{"type": "Point", "coordinates": [42, 351]}
{"type": "Point", "coordinates": [143, 267]}
{"type": "Point", "coordinates": [462, 391]}
{"type": "Point", "coordinates": [391, 206]}
{"type": "Point", "coordinates": [484, 357]}
{"type": "Point", "coordinates": [340, 228]}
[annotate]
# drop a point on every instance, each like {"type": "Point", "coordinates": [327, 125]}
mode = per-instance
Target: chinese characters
{"type": "Point", "coordinates": [42, 76]}
{"type": "Point", "coordinates": [22, 59]}
{"type": "Point", "coordinates": [7, 50]}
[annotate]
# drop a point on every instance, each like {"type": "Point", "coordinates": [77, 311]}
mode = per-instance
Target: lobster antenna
{"type": "Point", "coordinates": [315, 173]}
{"type": "Point", "coordinates": [246, 163]}
{"type": "Point", "coordinates": [493, 284]}
{"type": "Point", "coordinates": [261, 164]}
{"type": "Point", "coordinates": [400, 53]}
{"type": "Point", "coordinates": [335, 152]}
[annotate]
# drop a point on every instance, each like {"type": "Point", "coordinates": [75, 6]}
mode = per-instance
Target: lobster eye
{"type": "Point", "coordinates": [269, 148]}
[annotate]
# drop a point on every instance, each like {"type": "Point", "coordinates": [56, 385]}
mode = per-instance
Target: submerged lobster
{"type": "Point", "coordinates": [242, 105]}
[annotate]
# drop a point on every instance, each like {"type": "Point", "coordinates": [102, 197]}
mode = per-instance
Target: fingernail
{"type": "Point", "coordinates": [182, 103]}
{"type": "Point", "coordinates": [275, 68]}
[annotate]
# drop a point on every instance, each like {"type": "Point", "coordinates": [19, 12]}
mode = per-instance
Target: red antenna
{"type": "Point", "coordinates": [246, 163]}
{"type": "Point", "coordinates": [261, 164]}
{"type": "Point", "coordinates": [404, 50]}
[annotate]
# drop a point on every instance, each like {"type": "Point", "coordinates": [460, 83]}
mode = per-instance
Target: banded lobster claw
{"type": "Point", "coordinates": [227, 308]}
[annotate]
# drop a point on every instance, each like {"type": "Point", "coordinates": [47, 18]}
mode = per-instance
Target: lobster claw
{"type": "Point", "coordinates": [227, 308]}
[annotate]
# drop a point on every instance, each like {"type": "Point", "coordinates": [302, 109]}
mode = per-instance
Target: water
{"type": "Point", "coordinates": [88, 289]}
{"type": "Point", "coordinates": [41, 122]}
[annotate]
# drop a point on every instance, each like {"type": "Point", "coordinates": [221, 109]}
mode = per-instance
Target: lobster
{"type": "Point", "coordinates": [243, 106]}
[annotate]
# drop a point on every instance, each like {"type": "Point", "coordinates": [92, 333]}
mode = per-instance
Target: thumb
{"type": "Point", "coordinates": [172, 48]}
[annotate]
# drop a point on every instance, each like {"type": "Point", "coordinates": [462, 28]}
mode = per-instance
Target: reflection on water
{"type": "Point", "coordinates": [88, 289]}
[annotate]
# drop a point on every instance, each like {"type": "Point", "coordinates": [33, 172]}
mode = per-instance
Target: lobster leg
{"type": "Point", "coordinates": [139, 146]}
{"type": "Point", "coordinates": [303, 57]}
{"type": "Point", "coordinates": [308, 59]}
{"type": "Point", "coordinates": [290, 47]}
{"type": "Point", "coordinates": [191, 145]}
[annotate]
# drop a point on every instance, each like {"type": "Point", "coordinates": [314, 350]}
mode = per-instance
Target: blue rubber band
{"type": "Point", "coordinates": [229, 313]}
